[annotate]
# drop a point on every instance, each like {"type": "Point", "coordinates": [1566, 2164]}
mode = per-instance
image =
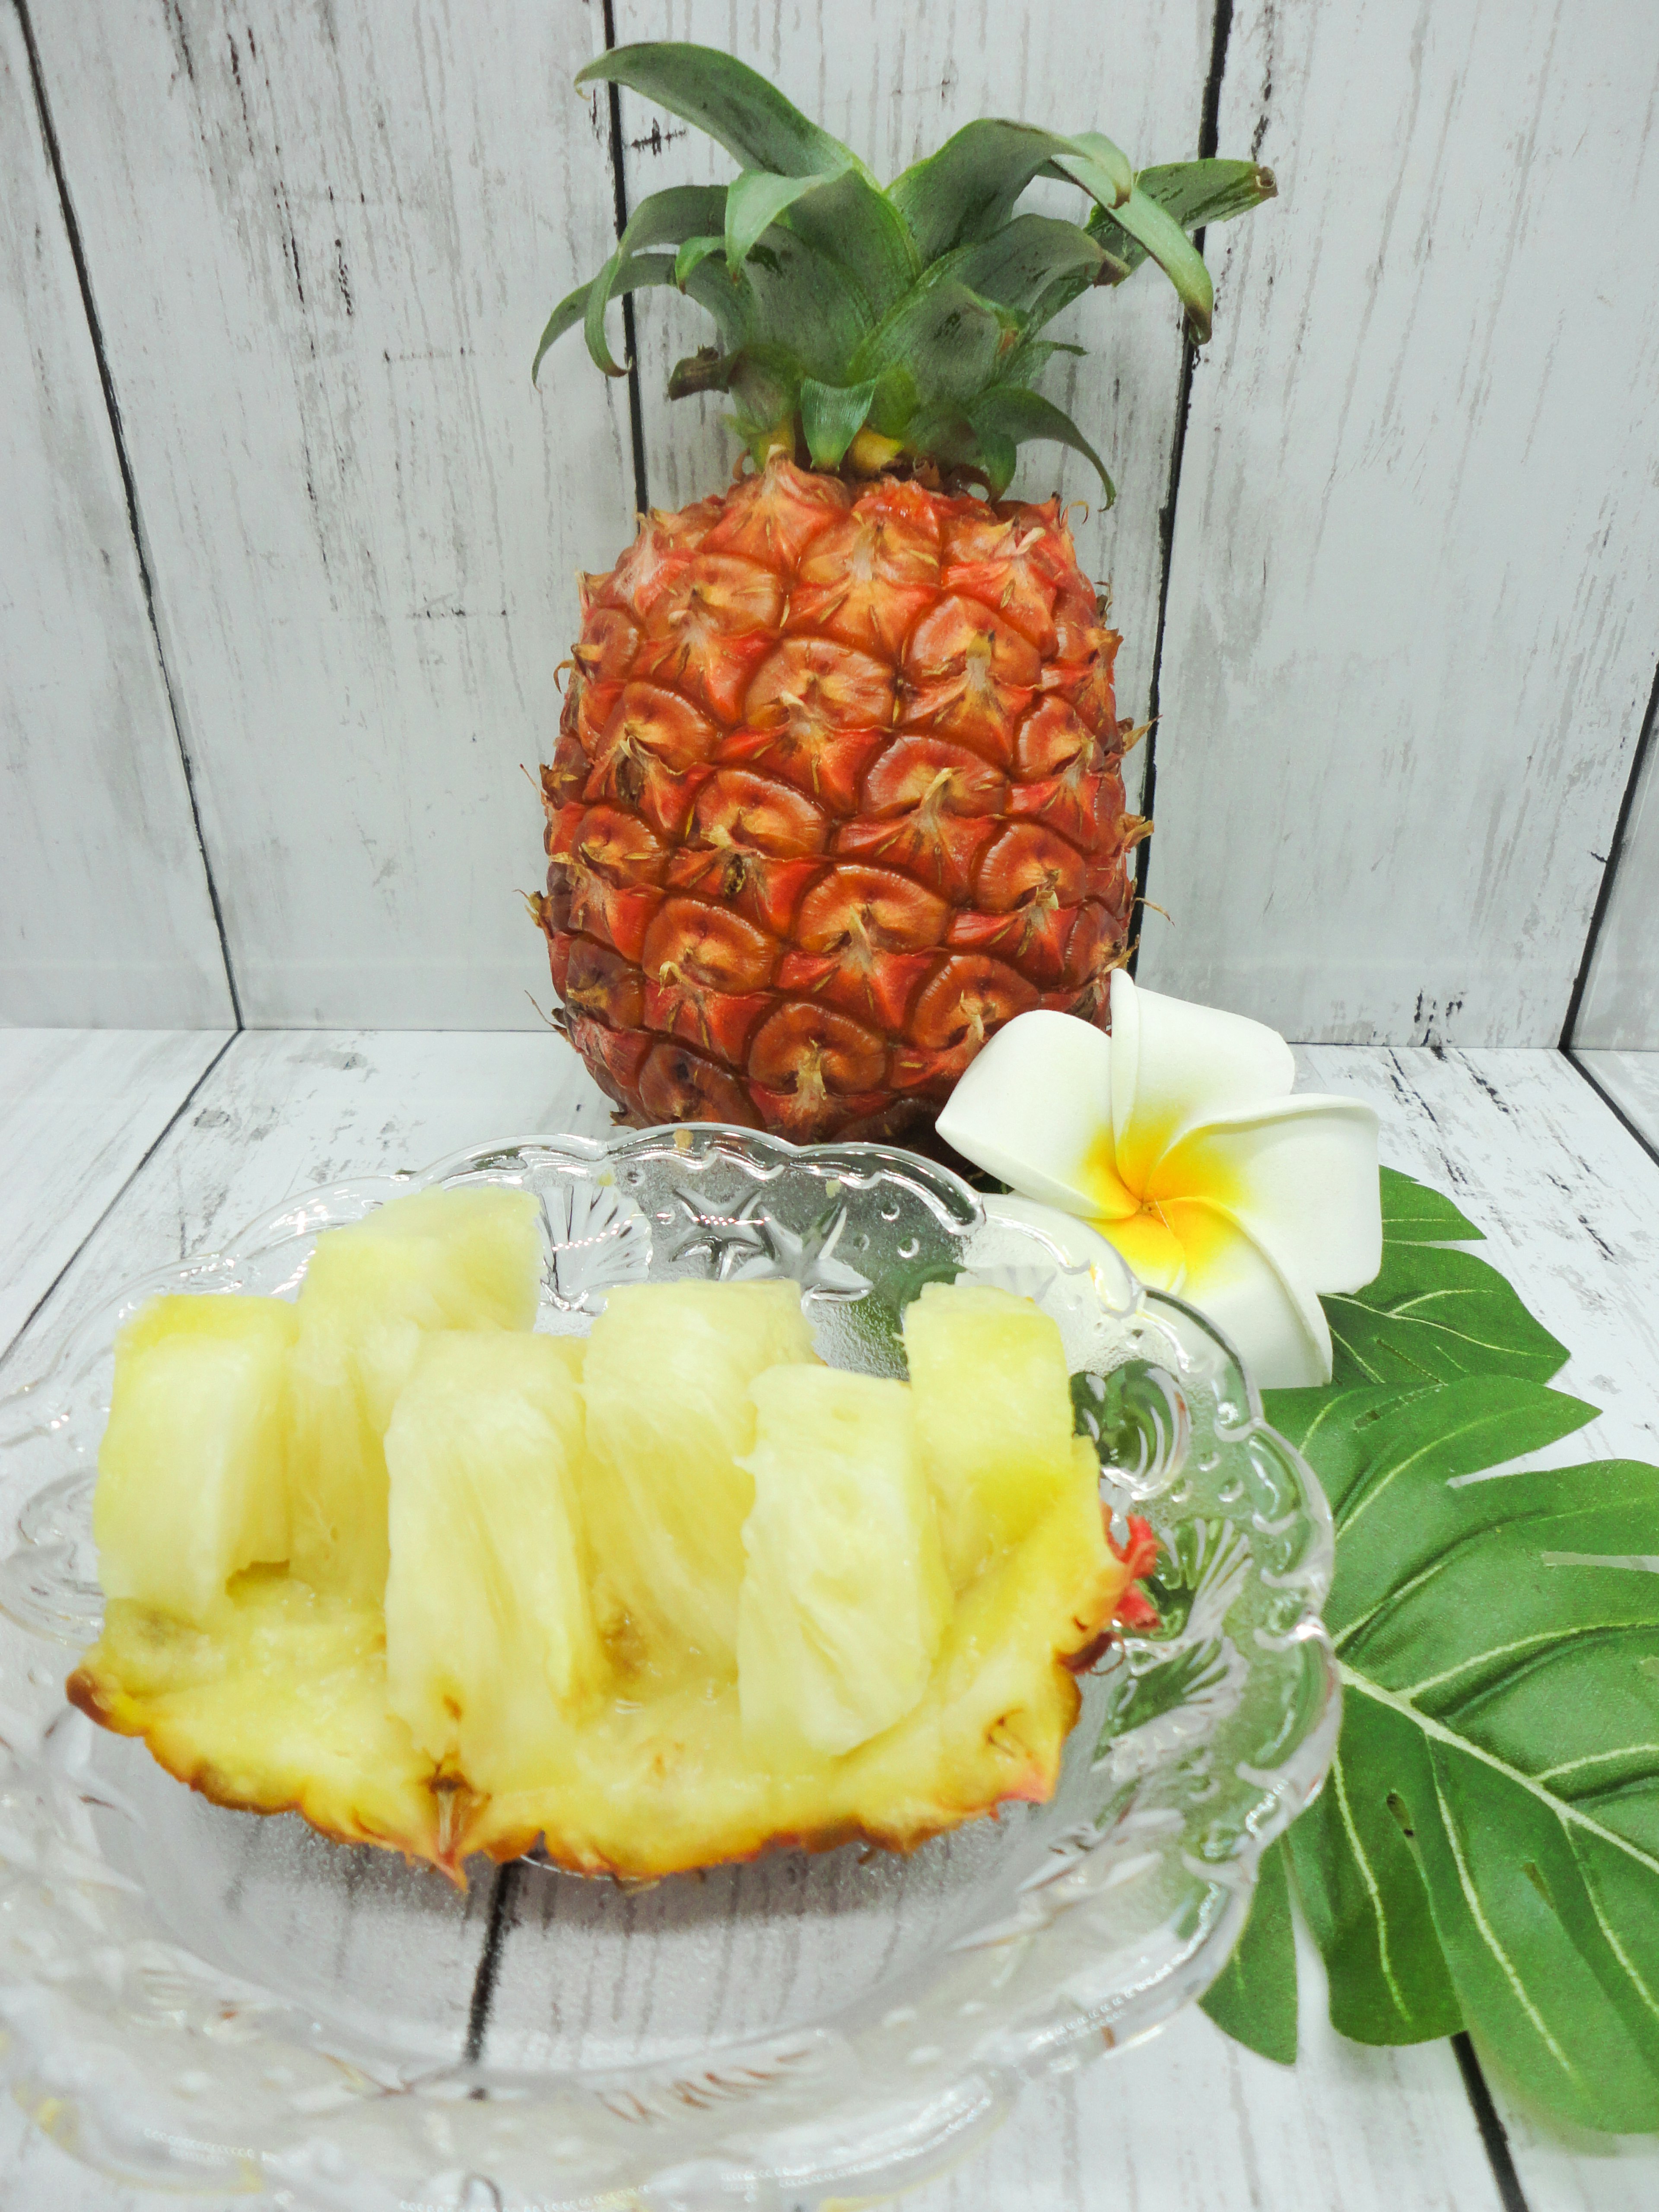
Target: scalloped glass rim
{"type": "Point", "coordinates": [1066, 1930]}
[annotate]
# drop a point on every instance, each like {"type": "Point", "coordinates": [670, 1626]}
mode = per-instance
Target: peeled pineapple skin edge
{"type": "Point", "coordinates": [439, 1820]}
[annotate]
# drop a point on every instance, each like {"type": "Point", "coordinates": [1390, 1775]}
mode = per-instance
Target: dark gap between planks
{"type": "Point", "coordinates": [1209, 132]}
{"type": "Point", "coordinates": [112, 406]}
{"type": "Point", "coordinates": [1604, 892]}
{"type": "Point", "coordinates": [1612, 1105]}
{"type": "Point", "coordinates": [630, 340]}
{"type": "Point", "coordinates": [1494, 2135]}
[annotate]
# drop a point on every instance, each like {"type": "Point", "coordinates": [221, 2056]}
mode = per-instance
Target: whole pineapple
{"type": "Point", "coordinates": [838, 785]}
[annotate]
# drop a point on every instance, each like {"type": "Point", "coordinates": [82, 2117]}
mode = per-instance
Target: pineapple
{"type": "Point", "coordinates": [193, 1472]}
{"type": "Point", "coordinates": [993, 1415]}
{"type": "Point", "coordinates": [838, 787]}
{"type": "Point", "coordinates": [489, 1629]}
{"type": "Point", "coordinates": [783, 1656]}
{"type": "Point", "coordinates": [669, 1420]}
{"type": "Point", "coordinates": [435, 1259]}
{"type": "Point", "coordinates": [844, 1602]}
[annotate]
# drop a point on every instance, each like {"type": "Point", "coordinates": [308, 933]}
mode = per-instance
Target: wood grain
{"type": "Point", "coordinates": [285, 1109]}
{"type": "Point", "coordinates": [1621, 1005]}
{"type": "Point", "coordinates": [323, 242]}
{"type": "Point", "coordinates": [1630, 1080]}
{"type": "Point", "coordinates": [79, 1111]}
{"type": "Point", "coordinates": [893, 84]}
{"type": "Point", "coordinates": [104, 915]}
{"type": "Point", "coordinates": [1410, 632]}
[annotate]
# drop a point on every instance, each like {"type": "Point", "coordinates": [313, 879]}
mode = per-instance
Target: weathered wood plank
{"type": "Point", "coordinates": [1631, 1079]}
{"type": "Point", "coordinates": [1620, 1005]}
{"type": "Point", "coordinates": [104, 915]}
{"type": "Point", "coordinates": [1410, 635]}
{"type": "Point", "coordinates": [79, 1110]}
{"type": "Point", "coordinates": [893, 84]}
{"type": "Point", "coordinates": [323, 243]}
{"type": "Point", "coordinates": [285, 1109]}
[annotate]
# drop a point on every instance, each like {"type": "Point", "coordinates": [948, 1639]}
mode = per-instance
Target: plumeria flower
{"type": "Point", "coordinates": [1176, 1138]}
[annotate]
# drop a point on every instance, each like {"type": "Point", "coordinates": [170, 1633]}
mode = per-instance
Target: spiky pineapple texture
{"type": "Point", "coordinates": [838, 783]}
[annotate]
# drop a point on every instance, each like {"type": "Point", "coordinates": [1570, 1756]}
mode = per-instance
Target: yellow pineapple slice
{"type": "Point", "coordinates": [845, 1598]}
{"type": "Point", "coordinates": [993, 1415]}
{"type": "Point", "coordinates": [490, 1635]}
{"type": "Point", "coordinates": [669, 1420]}
{"type": "Point", "coordinates": [854, 1696]}
{"type": "Point", "coordinates": [435, 1259]}
{"type": "Point", "coordinates": [191, 1472]}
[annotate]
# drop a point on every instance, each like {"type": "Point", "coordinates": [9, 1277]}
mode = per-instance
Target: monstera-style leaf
{"type": "Point", "coordinates": [1485, 1852]}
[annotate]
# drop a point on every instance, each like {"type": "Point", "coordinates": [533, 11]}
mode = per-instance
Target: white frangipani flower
{"type": "Point", "coordinates": [1177, 1139]}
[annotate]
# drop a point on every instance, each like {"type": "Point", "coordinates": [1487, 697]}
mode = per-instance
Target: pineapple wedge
{"type": "Point", "coordinates": [993, 1415]}
{"type": "Point", "coordinates": [660, 1603]}
{"type": "Point", "coordinates": [436, 1259]}
{"type": "Point", "coordinates": [191, 1472]}
{"type": "Point", "coordinates": [489, 1632]}
{"type": "Point", "coordinates": [845, 1599]}
{"type": "Point", "coordinates": [669, 1420]}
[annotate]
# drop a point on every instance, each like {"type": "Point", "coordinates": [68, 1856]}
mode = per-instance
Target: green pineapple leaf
{"type": "Point", "coordinates": [633, 275]}
{"type": "Point", "coordinates": [1195, 193]}
{"type": "Point", "coordinates": [966, 190]}
{"type": "Point", "coordinates": [754, 202]}
{"type": "Point", "coordinates": [831, 418]}
{"type": "Point", "coordinates": [665, 219]}
{"type": "Point", "coordinates": [1011, 411]}
{"type": "Point", "coordinates": [1155, 229]}
{"type": "Point", "coordinates": [1254, 1998]}
{"type": "Point", "coordinates": [1029, 262]}
{"type": "Point", "coordinates": [734, 104]}
{"type": "Point", "coordinates": [848, 219]}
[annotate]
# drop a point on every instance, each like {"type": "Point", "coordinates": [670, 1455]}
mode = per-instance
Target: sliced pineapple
{"type": "Point", "coordinates": [436, 1259]}
{"type": "Point", "coordinates": [845, 1598]}
{"type": "Point", "coordinates": [490, 1635]}
{"type": "Point", "coordinates": [670, 1419]}
{"type": "Point", "coordinates": [797, 1669]}
{"type": "Point", "coordinates": [191, 1472]}
{"type": "Point", "coordinates": [993, 1415]}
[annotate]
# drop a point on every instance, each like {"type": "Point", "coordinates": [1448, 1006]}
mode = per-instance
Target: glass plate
{"type": "Point", "coordinates": [206, 2000]}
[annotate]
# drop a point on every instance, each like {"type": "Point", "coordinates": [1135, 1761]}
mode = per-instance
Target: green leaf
{"type": "Point", "coordinates": [1434, 1314]}
{"type": "Point", "coordinates": [1254, 1999]}
{"type": "Point", "coordinates": [1199, 193]}
{"type": "Point", "coordinates": [1413, 1214]}
{"type": "Point", "coordinates": [1486, 1848]}
{"type": "Point", "coordinates": [664, 219]}
{"type": "Point", "coordinates": [1011, 411]}
{"type": "Point", "coordinates": [831, 416]}
{"type": "Point", "coordinates": [1365, 1896]}
{"type": "Point", "coordinates": [633, 275]}
{"type": "Point", "coordinates": [944, 334]}
{"type": "Point", "coordinates": [753, 204]}
{"type": "Point", "coordinates": [1034, 264]}
{"type": "Point", "coordinates": [692, 255]}
{"type": "Point", "coordinates": [848, 218]}
{"type": "Point", "coordinates": [734, 104]}
{"type": "Point", "coordinates": [967, 189]}
{"type": "Point", "coordinates": [1156, 229]}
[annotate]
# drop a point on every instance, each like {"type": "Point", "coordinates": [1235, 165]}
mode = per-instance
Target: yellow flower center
{"type": "Point", "coordinates": [1169, 1230]}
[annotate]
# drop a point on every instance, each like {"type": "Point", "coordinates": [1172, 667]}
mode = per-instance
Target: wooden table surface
{"type": "Point", "coordinates": [120, 1151]}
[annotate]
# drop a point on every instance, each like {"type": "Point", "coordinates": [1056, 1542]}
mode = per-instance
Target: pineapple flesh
{"type": "Point", "coordinates": [658, 1600]}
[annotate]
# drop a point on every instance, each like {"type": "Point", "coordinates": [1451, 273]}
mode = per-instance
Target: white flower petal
{"type": "Point", "coordinates": [1033, 1109]}
{"type": "Point", "coordinates": [1301, 1174]}
{"type": "Point", "coordinates": [1174, 1065]}
{"type": "Point", "coordinates": [1238, 1281]}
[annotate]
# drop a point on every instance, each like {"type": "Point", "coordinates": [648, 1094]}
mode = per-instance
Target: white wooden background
{"type": "Point", "coordinates": [287, 539]}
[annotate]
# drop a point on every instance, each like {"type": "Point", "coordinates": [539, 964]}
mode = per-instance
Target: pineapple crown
{"type": "Point", "coordinates": [867, 329]}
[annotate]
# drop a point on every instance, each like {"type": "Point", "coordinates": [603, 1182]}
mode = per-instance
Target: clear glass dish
{"type": "Point", "coordinates": [205, 2000]}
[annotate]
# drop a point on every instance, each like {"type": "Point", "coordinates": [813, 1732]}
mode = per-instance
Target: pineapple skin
{"type": "Point", "coordinates": [837, 792]}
